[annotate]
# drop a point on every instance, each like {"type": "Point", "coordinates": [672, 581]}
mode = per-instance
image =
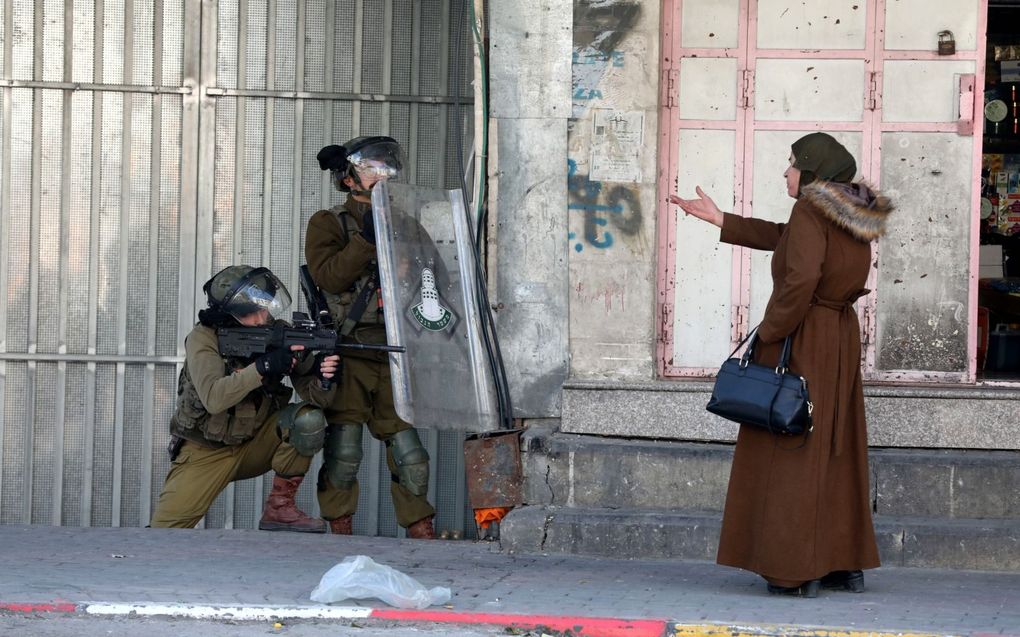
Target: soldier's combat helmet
{"type": "Point", "coordinates": [241, 290]}
{"type": "Point", "coordinates": [369, 156]}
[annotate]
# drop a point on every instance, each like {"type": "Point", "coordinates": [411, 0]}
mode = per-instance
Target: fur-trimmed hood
{"type": "Point", "coordinates": [854, 207]}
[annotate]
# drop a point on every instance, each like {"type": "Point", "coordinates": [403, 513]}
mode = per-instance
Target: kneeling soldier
{"type": "Point", "coordinates": [233, 418]}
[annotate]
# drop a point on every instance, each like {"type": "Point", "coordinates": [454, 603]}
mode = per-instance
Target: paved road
{"type": "Point", "coordinates": [42, 564]}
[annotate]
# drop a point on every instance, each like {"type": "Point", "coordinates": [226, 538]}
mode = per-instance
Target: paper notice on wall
{"type": "Point", "coordinates": [616, 145]}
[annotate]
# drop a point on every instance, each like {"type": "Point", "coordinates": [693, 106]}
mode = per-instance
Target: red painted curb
{"type": "Point", "coordinates": [30, 607]}
{"type": "Point", "coordinates": [586, 626]}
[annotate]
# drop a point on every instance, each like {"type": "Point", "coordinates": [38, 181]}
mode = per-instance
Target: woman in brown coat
{"type": "Point", "coordinates": [798, 510]}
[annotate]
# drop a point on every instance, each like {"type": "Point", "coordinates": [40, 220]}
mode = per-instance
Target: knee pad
{"type": "Point", "coordinates": [412, 461]}
{"type": "Point", "coordinates": [342, 455]}
{"type": "Point", "coordinates": [306, 427]}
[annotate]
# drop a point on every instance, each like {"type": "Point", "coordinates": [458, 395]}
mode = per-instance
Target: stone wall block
{"type": "Point", "coordinates": [529, 53]}
{"type": "Point", "coordinates": [909, 417]}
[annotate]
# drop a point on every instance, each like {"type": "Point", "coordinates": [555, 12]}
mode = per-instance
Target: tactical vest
{"type": "Point", "coordinates": [234, 426]}
{"type": "Point", "coordinates": [371, 325]}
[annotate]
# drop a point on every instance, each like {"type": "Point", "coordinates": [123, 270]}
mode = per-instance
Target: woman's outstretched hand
{"type": "Point", "coordinates": [703, 207]}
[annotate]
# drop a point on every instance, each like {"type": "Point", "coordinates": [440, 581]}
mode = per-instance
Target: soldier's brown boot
{"type": "Point", "coordinates": [281, 512]}
{"type": "Point", "coordinates": [422, 530]}
{"type": "Point", "coordinates": [343, 525]}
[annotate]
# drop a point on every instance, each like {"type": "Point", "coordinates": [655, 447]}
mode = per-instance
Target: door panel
{"type": "Point", "coordinates": [913, 24]}
{"type": "Point", "coordinates": [704, 265]}
{"type": "Point", "coordinates": [710, 24]}
{"type": "Point", "coordinates": [923, 272]}
{"type": "Point", "coordinates": [719, 103]}
{"type": "Point", "coordinates": [820, 24]}
{"type": "Point", "coordinates": [705, 139]}
{"type": "Point", "coordinates": [924, 299]}
{"type": "Point", "coordinates": [921, 91]}
{"type": "Point", "coordinates": [802, 90]}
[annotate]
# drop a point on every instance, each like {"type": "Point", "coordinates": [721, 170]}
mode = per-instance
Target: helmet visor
{"type": "Point", "coordinates": [262, 292]}
{"type": "Point", "coordinates": [382, 160]}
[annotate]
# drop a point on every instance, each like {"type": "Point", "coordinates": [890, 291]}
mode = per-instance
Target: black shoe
{"type": "Point", "coordinates": [807, 589]}
{"type": "Point", "coordinates": [852, 581]}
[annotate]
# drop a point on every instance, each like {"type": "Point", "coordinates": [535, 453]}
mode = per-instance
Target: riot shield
{"type": "Point", "coordinates": [427, 277]}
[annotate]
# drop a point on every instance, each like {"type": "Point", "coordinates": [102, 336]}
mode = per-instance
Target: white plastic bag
{"type": "Point", "coordinates": [360, 577]}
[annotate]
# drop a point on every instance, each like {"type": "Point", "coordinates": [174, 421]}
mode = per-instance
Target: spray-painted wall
{"type": "Point", "coordinates": [574, 108]}
{"type": "Point", "coordinates": [611, 182]}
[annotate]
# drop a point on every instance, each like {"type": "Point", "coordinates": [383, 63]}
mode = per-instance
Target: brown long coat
{"type": "Point", "coordinates": [798, 509]}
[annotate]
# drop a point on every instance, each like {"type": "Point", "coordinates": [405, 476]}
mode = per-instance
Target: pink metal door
{"type": "Point", "coordinates": [743, 79]}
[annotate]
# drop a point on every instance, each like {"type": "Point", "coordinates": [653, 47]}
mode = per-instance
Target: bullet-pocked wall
{"type": "Point", "coordinates": [611, 182]}
{"type": "Point", "coordinates": [145, 145]}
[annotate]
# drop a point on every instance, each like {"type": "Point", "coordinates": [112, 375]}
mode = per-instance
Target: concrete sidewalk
{"type": "Point", "coordinates": [258, 575]}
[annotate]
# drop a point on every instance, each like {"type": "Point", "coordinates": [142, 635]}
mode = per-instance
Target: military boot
{"type": "Point", "coordinates": [422, 530]}
{"type": "Point", "coordinates": [281, 512]}
{"type": "Point", "coordinates": [343, 525]}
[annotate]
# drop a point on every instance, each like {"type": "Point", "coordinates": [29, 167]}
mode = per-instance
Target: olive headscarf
{"type": "Point", "coordinates": [820, 156]}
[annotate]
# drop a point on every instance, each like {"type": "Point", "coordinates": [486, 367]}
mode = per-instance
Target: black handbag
{"type": "Point", "coordinates": [771, 398]}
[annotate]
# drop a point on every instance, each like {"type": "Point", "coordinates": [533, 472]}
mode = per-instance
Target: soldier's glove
{"type": "Point", "coordinates": [275, 364]}
{"type": "Point", "coordinates": [368, 227]}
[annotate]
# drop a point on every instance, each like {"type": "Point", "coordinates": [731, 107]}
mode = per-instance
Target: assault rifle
{"type": "Point", "coordinates": [315, 334]}
{"type": "Point", "coordinates": [247, 342]}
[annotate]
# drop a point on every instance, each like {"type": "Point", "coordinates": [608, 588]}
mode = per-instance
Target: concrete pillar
{"type": "Point", "coordinates": [529, 74]}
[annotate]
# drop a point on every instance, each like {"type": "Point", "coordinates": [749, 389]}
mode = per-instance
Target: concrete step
{"type": "Point", "coordinates": [992, 545]}
{"type": "Point", "coordinates": [591, 471]}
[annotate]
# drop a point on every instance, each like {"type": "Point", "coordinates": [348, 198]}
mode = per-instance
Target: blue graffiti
{"type": "Point", "coordinates": [589, 197]}
{"type": "Point", "coordinates": [598, 57]}
{"type": "Point", "coordinates": [589, 66]}
{"type": "Point", "coordinates": [607, 237]}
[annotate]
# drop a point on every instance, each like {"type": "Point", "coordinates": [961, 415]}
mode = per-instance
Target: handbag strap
{"type": "Point", "coordinates": [784, 360]}
{"type": "Point", "coordinates": [752, 336]}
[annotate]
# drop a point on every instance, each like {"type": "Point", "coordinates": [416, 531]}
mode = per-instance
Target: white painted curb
{"type": "Point", "coordinates": [240, 612]}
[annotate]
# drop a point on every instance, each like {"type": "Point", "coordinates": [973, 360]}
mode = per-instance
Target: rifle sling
{"type": "Point", "coordinates": [360, 303]}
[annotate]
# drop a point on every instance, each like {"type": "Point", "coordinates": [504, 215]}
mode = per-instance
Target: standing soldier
{"type": "Point", "coordinates": [233, 418]}
{"type": "Point", "coordinates": [340, 251]}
